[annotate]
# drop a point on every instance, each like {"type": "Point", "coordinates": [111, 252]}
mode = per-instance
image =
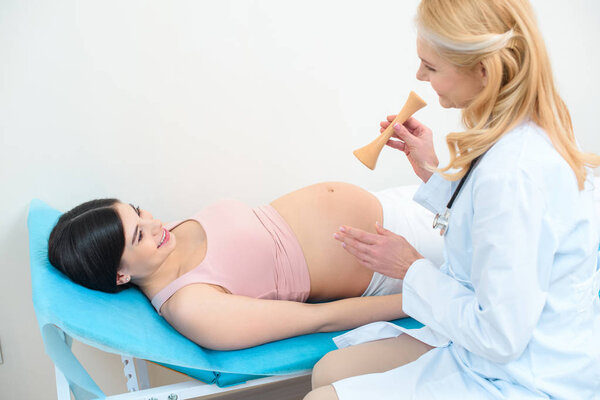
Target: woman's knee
{"type": "Point", "coordinates": [323, 373]}
{"type": "Point", "coordinates": [322, 393]}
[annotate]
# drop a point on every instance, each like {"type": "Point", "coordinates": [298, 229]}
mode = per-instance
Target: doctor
{"type": "Point", "coordinates": [513, 312]}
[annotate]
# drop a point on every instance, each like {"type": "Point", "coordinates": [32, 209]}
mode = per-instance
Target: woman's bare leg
{"type": "Point", "coordinates": [367, 358]}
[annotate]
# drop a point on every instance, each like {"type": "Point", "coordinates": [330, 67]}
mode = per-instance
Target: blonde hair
{"type": "Point", "coordinates": [503, 36]}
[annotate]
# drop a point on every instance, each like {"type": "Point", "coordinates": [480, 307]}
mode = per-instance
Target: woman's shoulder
{"type": "Point", "coordinates": [187, 298]}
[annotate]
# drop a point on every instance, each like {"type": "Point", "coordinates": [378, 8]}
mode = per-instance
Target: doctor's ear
{"type": "Point", "coordinates": [122, 279]}
{"type": "Point", "coordinates": [482, 73]}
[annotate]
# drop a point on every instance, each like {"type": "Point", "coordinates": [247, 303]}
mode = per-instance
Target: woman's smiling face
{"type": "Point", "coordinates": [456, 87]}
{"type": "Point", "coordinates": [147, 243]}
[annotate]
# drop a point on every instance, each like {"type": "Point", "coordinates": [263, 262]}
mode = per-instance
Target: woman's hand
{"type": "Point", "coordinates": [416, 141]}
{"type": "Point", "coordinates": [383, 252]}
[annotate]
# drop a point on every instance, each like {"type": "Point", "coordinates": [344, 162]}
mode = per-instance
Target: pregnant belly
{"type": "Point", "coordinates": [315, 213]}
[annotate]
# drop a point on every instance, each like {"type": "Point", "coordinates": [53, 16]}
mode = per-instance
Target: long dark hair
{"type": "Point", "coordinates": [87, 244]}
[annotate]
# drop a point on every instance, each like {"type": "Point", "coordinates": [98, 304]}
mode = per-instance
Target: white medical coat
{"type": "Point", "coordinates": [514, 308]}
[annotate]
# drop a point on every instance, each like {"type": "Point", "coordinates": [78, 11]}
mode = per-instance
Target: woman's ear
{"type": "Point", "coordinates": [122, 279]}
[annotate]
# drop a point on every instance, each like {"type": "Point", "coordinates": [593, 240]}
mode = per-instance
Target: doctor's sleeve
{"type": "Point", "coordinates": [434, 194]}
{"type": "Point", "coordinates": [496, 318]}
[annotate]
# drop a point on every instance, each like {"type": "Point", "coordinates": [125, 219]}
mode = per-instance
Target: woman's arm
{"type": "Point", "coordinates": [223, 321]}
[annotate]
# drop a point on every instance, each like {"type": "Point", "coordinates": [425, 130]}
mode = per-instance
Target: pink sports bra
{"type": "Point", "coordinates": [250, 252]}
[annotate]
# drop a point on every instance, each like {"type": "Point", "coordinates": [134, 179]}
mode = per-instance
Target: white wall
{"type": "Point", "coordinates": [173, 105]}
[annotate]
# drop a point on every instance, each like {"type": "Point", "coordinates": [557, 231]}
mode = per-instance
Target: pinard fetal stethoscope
{"type": "Point", "coordinates": [441, 220]}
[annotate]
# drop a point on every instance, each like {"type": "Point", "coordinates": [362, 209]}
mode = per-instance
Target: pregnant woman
{"type": "Point", "coordinates": [232, 276]}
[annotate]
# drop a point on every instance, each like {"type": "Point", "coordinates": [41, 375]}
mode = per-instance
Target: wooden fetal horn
{"type": "Point", "coordinates": [368, 155]}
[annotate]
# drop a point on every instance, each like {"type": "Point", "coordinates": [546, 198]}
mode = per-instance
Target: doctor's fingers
{"type": "Point", "coordinates": [359, 234]}
{"type": "Point", "coordinates": [389, 119]}
{"type": "Point", "coordinates": [405, 135]}
{"type": "Point", "coordinates": [359, 250]}
{"type": "Point", "coordinates": [415, 127]}
{"type": "Point", "coordinates": [385, 124]}
{"type": "Point", "coordinates": [396, 144]}
{"type": "Point", "coordinates": [355, 246]}
{"type": "Point", "coordinates": [412, 124]}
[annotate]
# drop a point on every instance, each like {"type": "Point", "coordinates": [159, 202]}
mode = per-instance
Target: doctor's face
{"type": "Point", "coordinates": [456, 87]}
{"type": "Point", "coordinates": [147, 243]}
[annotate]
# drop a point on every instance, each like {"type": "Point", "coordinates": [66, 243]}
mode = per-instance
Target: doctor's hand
{"type": "Point", "coordinates": [383, 252]}
{"type": "Point", "coordinates": [416, 141]}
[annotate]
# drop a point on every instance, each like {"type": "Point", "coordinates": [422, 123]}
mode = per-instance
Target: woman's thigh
{"type": "Point", "coordinates": [366, 358]}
